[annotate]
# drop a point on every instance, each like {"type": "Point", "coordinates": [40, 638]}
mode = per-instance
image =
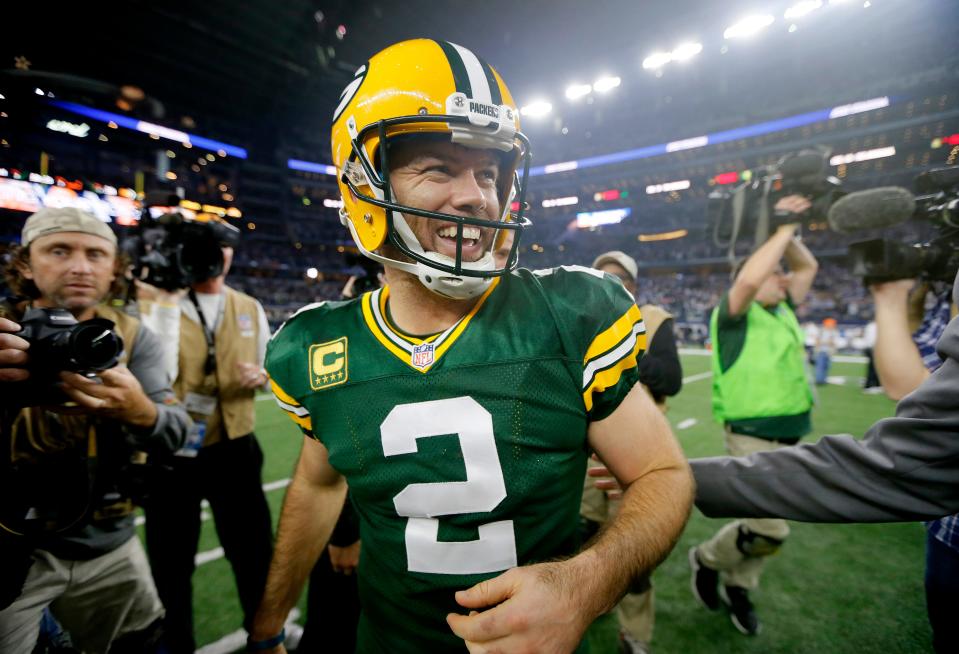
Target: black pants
{"type": "Point", "coordinates": [228, 475]}
{"type": "Point", "coordinates": [332, 611]}
{"type": "Point", "coordinates": [942, 594]}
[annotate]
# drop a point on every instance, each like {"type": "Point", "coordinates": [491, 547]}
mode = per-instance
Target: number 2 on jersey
{"type": "Point", "coordinates": [483, 490]}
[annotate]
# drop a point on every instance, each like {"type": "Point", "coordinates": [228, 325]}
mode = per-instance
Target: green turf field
{"type": "Point", "coordinates": [832, 588]}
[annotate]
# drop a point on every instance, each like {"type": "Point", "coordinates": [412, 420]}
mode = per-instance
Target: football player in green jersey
{"type": "Point", "coordinates": [461, 400]}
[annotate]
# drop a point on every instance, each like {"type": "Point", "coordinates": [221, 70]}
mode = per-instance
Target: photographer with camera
{"type": "Point", "coordinates": [762, 396]}
{"type": "Point", "coordinates": [77, 401]}
{"type": "Point", "coordinates": [217, 340]}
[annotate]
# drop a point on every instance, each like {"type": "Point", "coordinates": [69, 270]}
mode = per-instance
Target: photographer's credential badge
{"type": "Point", "coordinates": [197, 405]}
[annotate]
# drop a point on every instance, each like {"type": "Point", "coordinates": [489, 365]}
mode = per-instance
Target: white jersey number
{"type": "Point", "coordinates": [483, 490]}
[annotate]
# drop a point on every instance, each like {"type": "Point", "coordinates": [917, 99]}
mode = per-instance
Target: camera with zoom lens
{"type": "Point", "coordinates": [746, 211]}
{"type": "Point", "coordinates": [58, 341]}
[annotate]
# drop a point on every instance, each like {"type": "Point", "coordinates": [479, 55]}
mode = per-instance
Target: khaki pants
{"type": "Point", "coordinates": [96, 601]}
{"type": "Point", "coordinates": [636, 611]}
{"type": "Point", "coordinates": [721, 551]}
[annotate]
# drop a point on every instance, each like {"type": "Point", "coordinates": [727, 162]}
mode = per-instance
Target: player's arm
{"type": "Point", "coordinates": [310, 509]}
{"type": "Point", "coordinates": [547, 607]}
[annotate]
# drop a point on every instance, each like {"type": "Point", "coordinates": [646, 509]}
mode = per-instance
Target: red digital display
{"type": "Point", "coordinates": [952, 139]}
{"type": "Point", "coordinates": [726, 178]}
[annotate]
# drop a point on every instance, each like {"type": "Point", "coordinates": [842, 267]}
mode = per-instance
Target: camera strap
{"type": "Point", "coordinates": [210, 366]}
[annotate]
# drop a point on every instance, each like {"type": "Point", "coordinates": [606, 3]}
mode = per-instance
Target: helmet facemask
{"type": "Point", "coordinates": [368, 179]}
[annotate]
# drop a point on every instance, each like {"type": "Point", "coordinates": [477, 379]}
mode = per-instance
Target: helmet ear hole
{"type": "Point", "coordinates": [429, 279]}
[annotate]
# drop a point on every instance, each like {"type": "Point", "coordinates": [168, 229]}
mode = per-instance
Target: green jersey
{"type": "Point", "coordinates": [464, 451]}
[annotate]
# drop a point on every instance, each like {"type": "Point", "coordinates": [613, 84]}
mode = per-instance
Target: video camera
{"type": "Point", "coordinates": [747, 210]}
{"type": "Point", "coordinates": [171, 250]}
{"type": "Point", "coordinates": [878, 260]}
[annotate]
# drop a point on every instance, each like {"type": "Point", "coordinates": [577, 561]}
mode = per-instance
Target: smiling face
{"type": "Point", "coordinates": [72, 270]}
{"type": "Point", "coordinates": [443, 177]}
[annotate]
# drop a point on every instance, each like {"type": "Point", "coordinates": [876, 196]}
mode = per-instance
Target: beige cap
{"type": "Point", "coordinates": [621, 258]}
{"type": "Point", "coordinates": [50, 220]}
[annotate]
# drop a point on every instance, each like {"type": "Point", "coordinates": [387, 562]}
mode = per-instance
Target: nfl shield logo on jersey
{"type": "Point", "coordinates": [422, 355]}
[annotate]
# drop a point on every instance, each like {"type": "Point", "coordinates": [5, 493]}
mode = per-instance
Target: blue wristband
{"type": "Point", "coordinates": [269, 643]}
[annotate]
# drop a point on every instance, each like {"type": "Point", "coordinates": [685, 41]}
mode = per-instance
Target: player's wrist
{"type": "Point", "coordinates": [254, 644]}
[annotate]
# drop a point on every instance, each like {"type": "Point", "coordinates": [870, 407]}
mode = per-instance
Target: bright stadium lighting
{"type": "Point", "coordinates": [606, 83]}
{"type": "Point", "coordinates": [862, 155]}
{"type": "Point", "coordinates": [802, 8]}
{"type": "Point", "coordinates": [685, 51]}
{"type": "Point", "coordinates": [587, 219]}
{"type": "Point", "coordinates": [749, 26]}
{"type": "Point", "coordinates": [668, 187]}
{"type": "Point", "coordinates": [536, 109]}
{"type": "Point", "coordinates": [312, 273]}
{"type": "Point", "coordinates": [560, 202]}
{"type": "Point", "coordinates": [576, 91]}
{"type": "Point", "coordinates": [859, 107]}
{"type": "Point", "coordinates": [657, 60]}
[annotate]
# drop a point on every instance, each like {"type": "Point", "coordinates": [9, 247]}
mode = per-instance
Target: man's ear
{"type": "Point", "coordinates": [24, 269]}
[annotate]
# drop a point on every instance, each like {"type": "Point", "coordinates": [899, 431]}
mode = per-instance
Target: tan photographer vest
{"type": "Point", "coordinates": [235, 340]}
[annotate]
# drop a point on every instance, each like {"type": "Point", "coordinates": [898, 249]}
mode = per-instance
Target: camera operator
{"type": "Point", "coordinates": [762, 396]}
{"type": "Point", "coordinates": [218, 336]}
{"type": "Point", "coordinates": [905, 468]}
{"type": "Point", "coordinates": [84, 560]}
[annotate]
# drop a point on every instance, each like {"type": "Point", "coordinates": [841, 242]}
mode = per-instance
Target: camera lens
{"type": "Point", "coordinates": [94, 346]}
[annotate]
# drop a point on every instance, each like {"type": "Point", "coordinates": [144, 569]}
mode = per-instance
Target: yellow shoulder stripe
{"type": "Point", "coordinates": [614, 334]}
{"type": "Point", "coordinates": [611, 376]}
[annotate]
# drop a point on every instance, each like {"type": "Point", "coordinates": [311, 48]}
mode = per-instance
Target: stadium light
{"type": "Point", "coordinates": [802, 8]}
{"type": "Point", "coordinates": [685, 51]}
{"type": "Point", "coordinates": [606, 83]}
{"type": "Point", "coordinates": [576, 91]}
{"type": "Point", "coordinates": [560, 202]}
{"type": "Point", "coordinates": [749, 26]}
{"type": "Point", "coordinates": [862, 155]}
{"type": "Point", "coordinates": [536, 109]}
{"type": "Point", "coordinates": [312, 273]}
{"type": "Point", "coordinates": [657, 60]}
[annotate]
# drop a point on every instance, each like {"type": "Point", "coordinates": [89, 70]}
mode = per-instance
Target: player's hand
{"type": "Point", "coordinates": [13, 352]}
{"type": "Point", "coordinates": [113, 393]}
{"type": "Point", "coordinates": [604, 480]}
{"type": "Point", "coordinates": [344, 559]}
{"type": "Point", "coordinates": [250, 375]}
{"type": "Point", "coordinates": [527, 609]}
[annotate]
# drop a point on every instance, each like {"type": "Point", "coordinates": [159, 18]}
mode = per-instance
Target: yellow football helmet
{"type": "Point", "coordinates": [426, 87]}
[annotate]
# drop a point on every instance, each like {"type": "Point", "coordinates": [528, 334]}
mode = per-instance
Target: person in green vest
{"type": "Point", "coordinates": [762, 396]}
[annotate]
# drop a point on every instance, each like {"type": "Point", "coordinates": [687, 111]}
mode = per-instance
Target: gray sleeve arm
{"type": "Point", "coordinates": [905, 468]}
{"type": "Point", "coordinates": [146, 364]}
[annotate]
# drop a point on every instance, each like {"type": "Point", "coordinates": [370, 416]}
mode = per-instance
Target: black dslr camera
{"type": "Point", "coordinates": [59, 342]}
{"type": "Point", "coordinates": [933, 259]}
{"type": "Point", "coordinates": [746, 211]}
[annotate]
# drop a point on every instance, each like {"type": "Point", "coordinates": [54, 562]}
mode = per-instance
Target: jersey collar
{"type": "Point", "coordinates": [421, 354]}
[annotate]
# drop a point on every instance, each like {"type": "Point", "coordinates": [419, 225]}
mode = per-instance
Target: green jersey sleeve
{"type": "Point", "coordinates": [603, 329]}
{"type": "Point", "coordinates": [287, 364]}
